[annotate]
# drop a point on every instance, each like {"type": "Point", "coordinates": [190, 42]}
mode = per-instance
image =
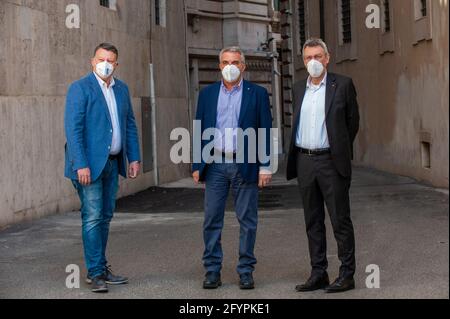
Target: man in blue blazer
{"type": "Point", "coordinates": [101, 136]}
{"type": "Point", "coordinates": [228, 107]}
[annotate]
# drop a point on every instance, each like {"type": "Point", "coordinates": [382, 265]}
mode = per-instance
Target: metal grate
{"type": "Point", "coordinates": [104, 3]}
{"type": "Point", "coordinates": [387, 16]}
{"type": "Point", "coordinates": [301, 22]}
{"type": "Point", "coordinates": [346, 21]}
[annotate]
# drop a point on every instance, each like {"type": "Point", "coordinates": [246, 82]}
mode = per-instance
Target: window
{"type": "Point", "coordinates": [387, 30]}
{"type": "Point", "coordinates": [110, 4]}
{"type": "Point", "coordinates": [387, 16]}
{"type": "Point", "coordinates": [160, 12]}
{"type": "Point", "coordinates": [426, 155]}
{"type": "Point", "coordinates": [423, 8]}
{"type": "Point", "coordinates": [301, 24]}
{"type": "Point", "coordinates": [276, 5]}
{"type": "Point", "coordinates": [104, 3]}
{"type": "Point", "coordinates": [157, 12]}
{"type": "Point", "coordinates": [422, 26]}
{"type": "Point", "coordinates": [322, 19]}
{"type": "Point", "coordinates": [346, 20]}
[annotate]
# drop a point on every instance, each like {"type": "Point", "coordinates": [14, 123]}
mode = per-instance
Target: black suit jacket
{"type": "Point", "coordinates": [342, 122]}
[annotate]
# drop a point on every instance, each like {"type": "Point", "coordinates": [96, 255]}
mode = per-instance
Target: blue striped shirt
{"type": "Point", "coordinates": [228, 112]}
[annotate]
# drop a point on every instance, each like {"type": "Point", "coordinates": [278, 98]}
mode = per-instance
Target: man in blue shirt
{"type": "Point", "coordinates": [229, 107]}
{"type": "Point", "coordinates": [101, 136]}
{"type": "Point", "coordinates": [326, 121]}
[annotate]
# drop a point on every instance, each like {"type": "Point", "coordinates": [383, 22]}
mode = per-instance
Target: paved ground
{"type": "Point", "coordinates": [156, 240]}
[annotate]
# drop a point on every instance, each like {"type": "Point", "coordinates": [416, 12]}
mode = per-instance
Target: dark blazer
{"type": "Point", "coordinates": [89, 130]}
{"type": "Point", "coordinates": [255, 113]}
{"type": "Point", "coordinates": [342, 122]}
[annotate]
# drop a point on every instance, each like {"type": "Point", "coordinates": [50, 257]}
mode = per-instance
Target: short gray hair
{"type": "Point", "coordinates": [235, 50]}
{"type": "Point", "coordinates": [315, 42]}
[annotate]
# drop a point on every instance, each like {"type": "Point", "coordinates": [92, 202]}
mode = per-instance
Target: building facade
{"type": "Point", "coordinates": [396, 51]}
{"type": "Point", "coordinates": [169, 51]}
{"type": "Point", "coordinates": [45, 46]}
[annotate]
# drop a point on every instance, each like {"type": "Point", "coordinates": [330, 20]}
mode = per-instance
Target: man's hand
{"type": "Point", "coordinates": [264, 179]}
{"type": "Point", "coordinates": [84, 176]}
{"type": "Point", "coordinates": [134, 169]}
{"type": "Point", "coordinates": [196, 177]}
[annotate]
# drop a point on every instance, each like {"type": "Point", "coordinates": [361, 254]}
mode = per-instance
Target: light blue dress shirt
{"type": "Point", "coordinates": [228, 112]}
{"type": "Point", "coordinates": [108, 92]}
{"type": "Point", "coordinates": [312, 131]}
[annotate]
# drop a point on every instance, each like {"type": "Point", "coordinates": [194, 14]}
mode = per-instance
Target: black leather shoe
{"type": "Point", "coordinates": [110, 278]}
{"type": "Point", "coordinates": [212, 280]}
{"type": "Point", "coordinates": [341, 285]}
{"type": "Point", "coordinates": [314, 283]}
{"type": "Point", "coordinates": [246, 281]}
{"type": "Point", "coordinates": [99, 285]}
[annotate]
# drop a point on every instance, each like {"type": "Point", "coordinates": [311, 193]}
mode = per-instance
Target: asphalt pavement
{"type": "Point", "coordinates": [401, 226]}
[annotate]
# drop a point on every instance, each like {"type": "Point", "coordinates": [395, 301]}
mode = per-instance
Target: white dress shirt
{"type": "Point", "coordinates": [108, 92]}
{"type": "Point", "coordinates": [312, 131]}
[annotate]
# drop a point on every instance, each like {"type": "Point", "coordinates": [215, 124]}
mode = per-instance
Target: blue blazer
{"type": "Point", "coordinates": [89, 130]}
{"type": "Point", "coordinates": [255, 113]}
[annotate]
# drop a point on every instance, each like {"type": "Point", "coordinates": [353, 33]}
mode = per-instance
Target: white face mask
{"type": "Point", "coordinates": [315, 68]}
{"type": "Point", "coordinates": [231, 73]}
{"type": "Point", "coordinates": [104, 69]}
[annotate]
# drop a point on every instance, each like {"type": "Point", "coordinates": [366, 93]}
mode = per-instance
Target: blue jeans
{"type": "Point", "coordinates": [219, 179]}
{"type": "Point", "coordinates": [98, 201]}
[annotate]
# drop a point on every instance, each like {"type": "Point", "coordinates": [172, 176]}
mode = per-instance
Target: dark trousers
{"type": "Point", "coordinates": [320, 183]}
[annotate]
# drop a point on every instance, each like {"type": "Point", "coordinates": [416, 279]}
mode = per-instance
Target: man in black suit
{"type": "Point", "coordinates": [326, 121]}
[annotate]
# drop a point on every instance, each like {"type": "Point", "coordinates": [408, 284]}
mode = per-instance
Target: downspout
{"type": "Point", "coordinates": [153, 106]}
{"type": "Point", "coordinates": [154, 130]}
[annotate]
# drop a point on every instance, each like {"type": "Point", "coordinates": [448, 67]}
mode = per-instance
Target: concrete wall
{"type": "Point", "coordinates": [169, 57]}
{"type": "Point", "coordinates": [402, 82]}
{"type": "Point", "coordinates": [39, 58]}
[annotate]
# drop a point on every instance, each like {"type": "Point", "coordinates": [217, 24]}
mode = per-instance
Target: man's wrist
{"type": "Point", "coordinates": [265, 171]}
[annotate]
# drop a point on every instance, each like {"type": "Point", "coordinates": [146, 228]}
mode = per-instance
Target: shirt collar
{"type": "Point", "coordinates": [103, 83]}
{"type": "Point", "coordinates": [236, 88]}
{"type": "Point", "coordinates": [323, 82]}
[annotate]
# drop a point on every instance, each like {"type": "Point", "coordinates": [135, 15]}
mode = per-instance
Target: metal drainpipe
{"type": "Point", "coordinates": [277, 105]}
{"type": "Point", "coordinates": [154, 131]}
{"type": "Point", "coordinates": [153, 107]}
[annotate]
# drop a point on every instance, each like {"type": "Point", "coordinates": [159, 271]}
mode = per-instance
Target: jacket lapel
{"type": "Point", "coordinates": [215, 103]}
{"type": "Point", "coordinates": [120, 100]}
{"type": "Point", "coordinates": [298, 105]}
{"type": "Point", "coordinates": [246, 93]}
{"type": "Point", "coordinates": [98, 91]}
{"type": "Point", "coordinates": [331, 90]}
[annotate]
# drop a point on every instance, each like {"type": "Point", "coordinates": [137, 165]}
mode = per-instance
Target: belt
{"type": "Point", "coordinates": [316, 152]}
{"type": "Point", "coordinates": [113, 157]}
{"type": "Point", "coordinates": [228, 155]}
